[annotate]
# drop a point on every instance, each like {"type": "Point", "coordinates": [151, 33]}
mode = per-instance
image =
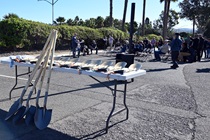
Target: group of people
{"type": "Point", "coordinates": [79, 46]}
{"type": "Point", "coordinates": [189, 49]}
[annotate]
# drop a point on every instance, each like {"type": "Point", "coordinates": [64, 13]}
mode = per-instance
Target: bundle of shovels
{"type": "Point", "coordinates": [41, 116]}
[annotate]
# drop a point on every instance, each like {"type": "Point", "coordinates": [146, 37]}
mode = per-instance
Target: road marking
{"type": "Point", "coordinates": [12, 77]}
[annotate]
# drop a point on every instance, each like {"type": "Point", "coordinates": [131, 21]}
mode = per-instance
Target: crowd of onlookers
{"type": "Point", "coordinates": [192, 48]}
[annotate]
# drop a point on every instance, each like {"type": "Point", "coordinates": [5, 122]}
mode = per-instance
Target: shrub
{"type": "Point", "coordinates": [12, 32]}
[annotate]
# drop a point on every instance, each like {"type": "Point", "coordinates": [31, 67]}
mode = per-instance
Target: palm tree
{"type": "Point", "coordinates": [110, 15]}
{"type": "Point", "coordinates": [124, 15]}
{"type": "Point", "coordinates": [166, 13]}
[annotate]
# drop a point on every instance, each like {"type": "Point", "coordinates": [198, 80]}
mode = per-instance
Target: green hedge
{"type": "Point", "coordinates": [29, 35]}
{"type": "Point", "coordinates": [12, 32]}
{"type": "Point", "coordinates": [20, 33]}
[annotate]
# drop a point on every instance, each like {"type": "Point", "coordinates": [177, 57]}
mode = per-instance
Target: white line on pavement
{"type": "Point", "coordinates": [12, 77]}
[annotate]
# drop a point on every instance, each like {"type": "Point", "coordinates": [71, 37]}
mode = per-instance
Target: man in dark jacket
{"type": "Point", "coordinates": [200, 47]}
{"type": "Point", "coordinates": [176, 44]}
{"type": "Point", "coordinates": [74, 43]}
{"type": "Point", "coordinates": [195, 47]}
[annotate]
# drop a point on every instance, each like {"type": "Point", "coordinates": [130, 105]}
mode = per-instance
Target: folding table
{"type": "Point", "coordinates": [118, 78]}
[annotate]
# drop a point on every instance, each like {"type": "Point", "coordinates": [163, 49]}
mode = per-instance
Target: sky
{"type": "Point", "coordinates": [42, 11]}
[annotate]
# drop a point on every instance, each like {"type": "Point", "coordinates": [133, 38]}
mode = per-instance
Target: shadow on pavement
{"type": "Point", "coordinates": [204, 70]}
{"type": "Point", "coordinates": [4, 100]}
{"type": "Point", "coordinates": [156, 70]}
{"type": "Point", "coordinates": [21, 131]}
{"type": "Point", "coordinates": [108, 84]}
{"type": "Point", "coordinates": [99, 132]}
{"type": "Point", "coordinates": [91, 86]}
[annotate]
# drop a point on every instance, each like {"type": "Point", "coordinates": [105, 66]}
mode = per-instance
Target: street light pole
{"type": "Point", "coordinates": [52, 3]}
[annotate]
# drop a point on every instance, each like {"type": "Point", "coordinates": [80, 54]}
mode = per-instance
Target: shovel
{"type": "Point", "coordinates": [30, 116]}
{"type": "Point", "coordinates": [22, 111]}
{"type": "Point", "coordinates": [31, 111]}
{"type": "Point", "coordinates": [18, 104]}
{"type": "Point", "coordinates": [43, 115]}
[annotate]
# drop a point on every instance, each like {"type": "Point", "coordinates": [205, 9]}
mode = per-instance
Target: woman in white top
{"type": "Point", "coordinates": [162, 50]}
{"type": "Point", "coordinates": [111, 40]}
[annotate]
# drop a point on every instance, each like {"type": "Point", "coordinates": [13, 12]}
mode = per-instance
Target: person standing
{"type": "Point", "coordinates": [176, 44]}
{"type": "Point", "coordinates": [195, 47]}
{"type": "Point", "coordinates": [74, 43]}
{"type": "Point", "coordinates": [105, 41]}
{"type": "Point", "coordinates": [200, 47]}
{"type": "Point", "coordinates": [153, 42]}
{"type": "Point", "coordinates": [111, 41]}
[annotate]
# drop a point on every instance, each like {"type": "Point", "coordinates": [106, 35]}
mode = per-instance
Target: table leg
{"type": "Point", "coordinates": [124, 100]}
{"type": "Point", "coordinates": [16, 81]}
{"type": "Point", "coordinates": [16, 78]}
{"type": "Point", "coordinates": [113, 106]}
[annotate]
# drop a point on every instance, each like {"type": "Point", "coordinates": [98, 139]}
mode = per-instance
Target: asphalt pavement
{"type": "Point", "coordinates": [164, 104]}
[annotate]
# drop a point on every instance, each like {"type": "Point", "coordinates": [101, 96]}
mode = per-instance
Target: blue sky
{"type": "Point", "coordinates": [42, 11]}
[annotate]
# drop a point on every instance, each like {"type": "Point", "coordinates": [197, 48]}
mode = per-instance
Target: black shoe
{"type": "Point", "coordinates": [174, 67]}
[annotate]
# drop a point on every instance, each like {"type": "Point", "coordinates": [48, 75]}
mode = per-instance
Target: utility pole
{"type": "Point", "coordinates": [52, 3]}
{"type": "Point", "coordinates": [131, 28]}
{"type": "Point", "coordinates": [143, 18]}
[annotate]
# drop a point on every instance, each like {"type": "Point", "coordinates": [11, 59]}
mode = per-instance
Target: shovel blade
{"type": "Point", "coordinates": [30, 115]}
{"type": "Point", "coordinates": [19, 115]}
{"type": "Point", "coordinates": [13, 109]}
{"type": "Point", "coordinates": [42, 118]}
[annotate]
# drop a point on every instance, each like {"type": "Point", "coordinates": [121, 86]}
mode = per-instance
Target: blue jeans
{"type": "Point", "coordinates": [157, 55]}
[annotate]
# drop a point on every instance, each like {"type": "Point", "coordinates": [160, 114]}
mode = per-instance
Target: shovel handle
{"type": "Point", "coordinates": [34, 85]}
{"type": "Point", "coordinates": [44, 71]}
{"type": "Point", "coordinates": [43, 53]}
{"type": "Point", "coordinates": [50, 69]}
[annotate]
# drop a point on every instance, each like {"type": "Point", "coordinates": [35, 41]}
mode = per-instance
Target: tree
{"type": "Point", "coordinates": [206, 33]}
{"type": "Point", "coordinates": [76, 20]}
{"type": "Point", "coordinates": [90, 23]}
{"type": "Point", "coordinates": [166, 13]}
{"type": "Point", "coordinates": [173, 18]}
{"type": "Point", "coordinates": [11, 15]}
{"type": "Point", "coordinates": [124, 15]}
{"type": "Point", "coordinates": [150, 30]}
{"type": "Point", "coordinates": [99, 22]}
{"type": "Point", "coordinates": [196, 11]}
{"type": "Point", "coordinates": [135, 27]}
{"type": "Point", "coordinates": [107, 21]}
{"type": "Point", "coordinates": [81, 22]}
{"type": "Point", "coordinates": [60, 20]}
{"type": "Point", "coordinates": [70, 22]}
{"type": "Point", "coordinates": [117, 24]}
{"type": "Point", "coordinates": [110, 15]}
